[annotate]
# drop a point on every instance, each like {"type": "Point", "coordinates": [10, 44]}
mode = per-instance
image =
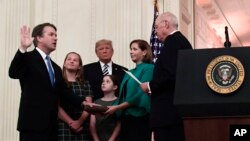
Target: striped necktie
{"type": "Point", "coordinates": [50, 70]}
{"type": "Point", "coordinates": [105, 70]}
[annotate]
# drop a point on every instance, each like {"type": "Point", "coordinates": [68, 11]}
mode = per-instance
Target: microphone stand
{"type": "Point", "coordinates": [227, 43]}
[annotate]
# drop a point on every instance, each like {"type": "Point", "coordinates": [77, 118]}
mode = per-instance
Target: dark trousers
{"type": "Point", "coordinates": [169, 133]}
{"type": "Point", "coordinates": [46, 135]}
{"type": "Point", "coordinates": [38, 136]}
{"type": "Point", "coordinates": [135, 128]}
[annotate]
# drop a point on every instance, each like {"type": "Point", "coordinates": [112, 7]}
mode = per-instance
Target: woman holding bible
{"type": "Point", "coordinates": [133, 105]}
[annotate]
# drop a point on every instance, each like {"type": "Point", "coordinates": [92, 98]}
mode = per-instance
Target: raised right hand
{"type": "Point", "coordinates": [26, 39]}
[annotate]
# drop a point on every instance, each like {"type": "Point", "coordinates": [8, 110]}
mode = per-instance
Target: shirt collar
{"type": "Point", "coordinates": [173, 32]}
{"type": "Point", "coordinates": [109, 64]}
{"type": "Point", "coordinates": [41, 52]}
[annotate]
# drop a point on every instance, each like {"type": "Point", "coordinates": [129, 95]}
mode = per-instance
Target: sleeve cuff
{"type": "Point", "coordinates": [149, 90]}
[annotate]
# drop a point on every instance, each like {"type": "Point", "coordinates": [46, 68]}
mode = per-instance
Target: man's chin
{"type": "Point", "coordinates": [52, 49]}
{"type": "Point", "coordinates": [106, 59]}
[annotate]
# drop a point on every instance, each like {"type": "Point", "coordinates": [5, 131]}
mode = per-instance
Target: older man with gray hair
{"type": "Point", "coordinates": [165, 121]}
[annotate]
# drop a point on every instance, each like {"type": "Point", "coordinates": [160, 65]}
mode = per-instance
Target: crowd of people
{"type": "Point", "coordinates": [54, 101]}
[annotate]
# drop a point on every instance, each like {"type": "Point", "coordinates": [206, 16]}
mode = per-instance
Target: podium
{"type": "Point", "coordinates": [208, 114]}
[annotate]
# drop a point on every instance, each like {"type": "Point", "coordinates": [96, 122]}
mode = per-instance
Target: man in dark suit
{"type": "Point", "coordinates": [41, 84]}
{"type": "Point", "coordinates": [166, 123]}
{"type": "Point", "coordinates": [94, 71]}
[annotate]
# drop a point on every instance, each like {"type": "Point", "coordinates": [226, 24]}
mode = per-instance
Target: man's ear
{"type": "Point", "coordinates": [38, 38]}
{"type": "Point", "coordinates": [166, 24]}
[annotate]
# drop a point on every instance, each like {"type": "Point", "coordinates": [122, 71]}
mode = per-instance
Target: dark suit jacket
{"type": "Point", "coordinates": [39, 100]}
{"type": "Point", "coordinates": [93, 73]}
{"type": "Point", "coordinates": [162, 86]}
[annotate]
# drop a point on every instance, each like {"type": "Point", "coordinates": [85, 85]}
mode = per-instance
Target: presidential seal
{"type": "Point", "coordinates": [225, 74]}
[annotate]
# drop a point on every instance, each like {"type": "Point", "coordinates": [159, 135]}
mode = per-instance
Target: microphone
{"type": "Point", "coordinates": [227, 43]}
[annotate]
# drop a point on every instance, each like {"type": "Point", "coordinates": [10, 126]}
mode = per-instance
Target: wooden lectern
{"type": "Point", "coordinates": [208, 114]}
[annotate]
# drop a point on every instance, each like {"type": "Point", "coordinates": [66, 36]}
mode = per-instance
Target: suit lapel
{"type": "Point", "coordinates": [114, 69]}
{"type": "Point", "coordinates": [98, 69]}
{"type": "Point", "coordinates": [42, 68]}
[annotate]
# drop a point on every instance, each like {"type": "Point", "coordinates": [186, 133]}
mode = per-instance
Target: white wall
{"type": "Point", "coordinates": [80, 24]}
{"type": "Point", "coordinates": [183, 9]}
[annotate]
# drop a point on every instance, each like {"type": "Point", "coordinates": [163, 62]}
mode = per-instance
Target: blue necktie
{"type": "Point", "coordinates": [50, 70]}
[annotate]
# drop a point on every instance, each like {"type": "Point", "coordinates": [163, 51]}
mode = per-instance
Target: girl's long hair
{"type": "Point", "coordinates": [79, 73]}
